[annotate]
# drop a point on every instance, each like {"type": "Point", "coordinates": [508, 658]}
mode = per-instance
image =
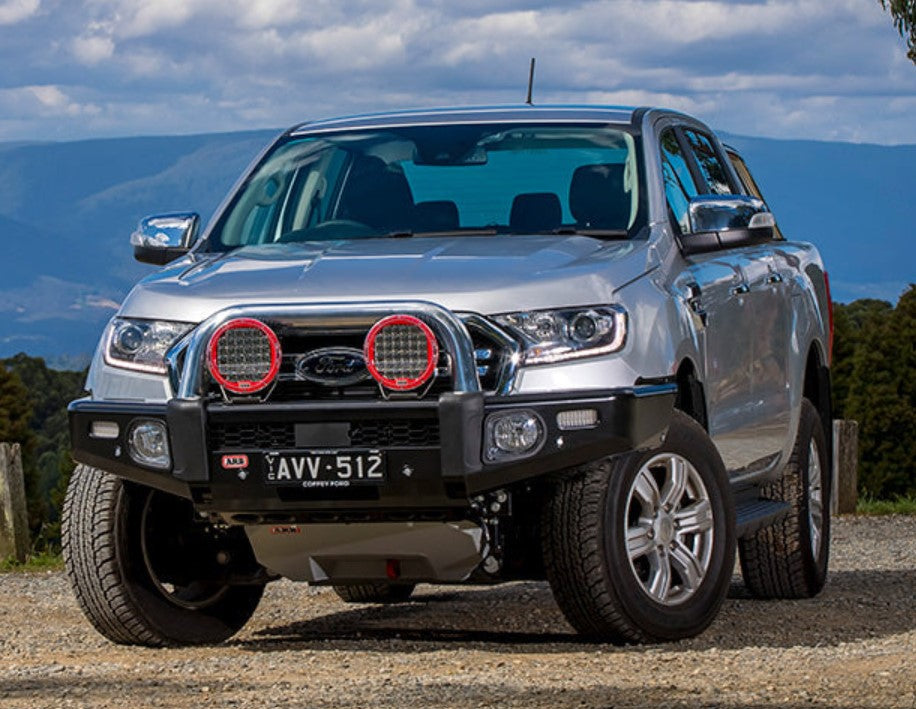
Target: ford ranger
{"type": "Point", "coordinates": [462, 346]}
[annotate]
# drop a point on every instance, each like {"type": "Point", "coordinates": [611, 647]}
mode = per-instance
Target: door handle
{"type": "Point", "coordinates": [774, 278]}
{"type": "Point", "coordinates": [741, 289]}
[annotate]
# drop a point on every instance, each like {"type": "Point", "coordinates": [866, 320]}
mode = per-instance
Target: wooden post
{"type": "Point", "coordinates": [845, 462]}
{"type": "Point", "coordinates": [14, 520]}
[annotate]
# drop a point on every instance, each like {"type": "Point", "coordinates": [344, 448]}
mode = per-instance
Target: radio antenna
{"type": "Point", "coordinates": [530, 81]}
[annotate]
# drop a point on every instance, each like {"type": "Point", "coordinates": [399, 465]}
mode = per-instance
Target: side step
{"type": "Point", "coordinates": [755, 514]}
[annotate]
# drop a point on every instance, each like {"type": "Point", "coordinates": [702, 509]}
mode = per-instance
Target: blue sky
{"type": "Point", "coordinates": [820, 69]}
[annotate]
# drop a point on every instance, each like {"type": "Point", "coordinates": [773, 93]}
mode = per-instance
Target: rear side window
{"type": "Point", "coordinates": [709, 163]}
{"type": "Point", "coordinates": [679, 184]}
{"type": "Point", "coordinates": [748, 183]}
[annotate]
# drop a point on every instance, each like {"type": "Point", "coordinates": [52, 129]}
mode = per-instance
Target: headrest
{"type": "Point", "coordinates": [597, 198]}
{"type": "Point", "coordinates": [438, 215]}
{"type": "Point", "coordinates": [535, 211]}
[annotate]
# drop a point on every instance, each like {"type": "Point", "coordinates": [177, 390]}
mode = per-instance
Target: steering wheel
{"type": "Point", "coordinates": [329, 230]}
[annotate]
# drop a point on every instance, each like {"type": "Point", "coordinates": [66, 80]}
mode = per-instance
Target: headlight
{"type": "Point", "coordinates": [141, 344]}
{"type": "Point", "coordinates": [558, 335]}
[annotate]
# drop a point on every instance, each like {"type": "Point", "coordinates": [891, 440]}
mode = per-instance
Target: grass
{"type": "Point", "coordinates": [898, 506]}
{"type": "Point", "coordinates": [43, 561]}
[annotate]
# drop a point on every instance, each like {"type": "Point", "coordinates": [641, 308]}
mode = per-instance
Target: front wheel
{"type": "Point", "coordinates": [641, 548]}
{"type": "Point", "coordinates": [145, 571]}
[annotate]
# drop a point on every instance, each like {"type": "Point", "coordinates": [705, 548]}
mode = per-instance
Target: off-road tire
{"type": "Point", "coordinates": [585, 553]}
{"type": "Point", "coordinates": [375, 592]}
{"type": "Point", "coordinates": [111, 583]}
{"type": "Point", "coordinates": [779, 561]}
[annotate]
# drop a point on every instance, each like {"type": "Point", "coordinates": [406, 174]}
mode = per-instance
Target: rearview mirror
{"type": "Point", "coordinates": [723, 221]}
{"type": "Point", "coordinates": [164, 237]}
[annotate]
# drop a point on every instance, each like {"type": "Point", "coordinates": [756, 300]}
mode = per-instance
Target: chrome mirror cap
{"type": "Point", "coordinates": [723, 212]}
{"type": "Point", "coordinates": [723, 221]}
{"type": "Point", "coordinates": [164, 237]}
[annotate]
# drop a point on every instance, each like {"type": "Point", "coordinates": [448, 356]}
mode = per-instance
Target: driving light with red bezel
{"type": "Point", "coordinates": [401, 352]}
{"type": "Point", "coordinates": [244, 356]}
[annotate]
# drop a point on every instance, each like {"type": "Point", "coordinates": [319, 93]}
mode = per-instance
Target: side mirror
{"type": "Point", "coordinates": [164, 237]}
{"type": "Point", "coordinates": [722, 221]}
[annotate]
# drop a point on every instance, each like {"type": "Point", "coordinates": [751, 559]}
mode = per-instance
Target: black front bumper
{"type": "Point", "coordinates": [434, 449]}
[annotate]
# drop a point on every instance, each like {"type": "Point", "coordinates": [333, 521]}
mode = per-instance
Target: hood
{"type": "Point", "coordinates": [484, 274]}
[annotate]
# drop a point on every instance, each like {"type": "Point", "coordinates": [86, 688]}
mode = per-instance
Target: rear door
{"type": "Point", "coordinates": [776, 325]}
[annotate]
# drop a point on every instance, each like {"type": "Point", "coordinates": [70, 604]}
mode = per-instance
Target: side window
{"type": "Point", "coordinates": [748, 183]}
{"type": "Point", "coordinates": [711, 167]}
{"type": "Point", "coordinates": [679, 184]}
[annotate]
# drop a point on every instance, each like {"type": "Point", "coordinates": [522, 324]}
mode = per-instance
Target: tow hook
{"type": "Point", "coordinates": [489, 508]}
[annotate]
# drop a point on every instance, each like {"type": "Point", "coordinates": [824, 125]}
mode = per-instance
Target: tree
{"type": "Point", "coordinates": [15, 419]}
{"type": "Point", "coordinates": [882, 398]}
{"type": "Point", "coordinates": [848, 322]}
{"type": "Point", "coordinates": [44, 393]}
{"type": "Point", "coordinates": [904, 14]}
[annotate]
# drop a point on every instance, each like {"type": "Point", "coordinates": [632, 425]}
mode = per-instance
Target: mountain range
{"type": "Point", "coordinates": [66, 210]}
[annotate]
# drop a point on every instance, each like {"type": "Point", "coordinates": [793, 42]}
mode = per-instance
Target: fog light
{"type": "Point", "coordinates": [577, 418]}
{"type": "Point", "coordinates": [148, 444]}
{"type": "Point", "coordinates": [514, 433]}
{"type": "Point", "coordinates": [104, 429]}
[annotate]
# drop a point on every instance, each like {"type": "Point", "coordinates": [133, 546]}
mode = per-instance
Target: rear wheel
{"type": "Point", "coordinates": [146, 571]}
{"type": "Point", "coordinates": [789, 559]}
{"type": "Point", "coordinates": [375, 592]}
{"type": "Point", "coordinates": [641, 548]}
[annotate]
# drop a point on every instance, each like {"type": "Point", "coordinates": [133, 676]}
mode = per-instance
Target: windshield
{"type": "Point", "coordinates": [438, 180]}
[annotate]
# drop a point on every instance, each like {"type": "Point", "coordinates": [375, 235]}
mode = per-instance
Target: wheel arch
{"type": "Point", "coordinates": [691, 398]}
{"type": "Point", "coordinates": [816, 388]}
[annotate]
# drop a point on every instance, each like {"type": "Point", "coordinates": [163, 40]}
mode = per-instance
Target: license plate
{"type": "Point", "coordinates": [325, 468]}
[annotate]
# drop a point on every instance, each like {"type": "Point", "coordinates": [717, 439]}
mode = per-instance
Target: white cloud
{"type": "Point", "coordinates": [93, 49]}
{"type": "Point", "coordinates": [817, 68]}
{"type": "Point", "coordinates": [46, 100]}
{"type": "Point", "coordinates": [13, 11]}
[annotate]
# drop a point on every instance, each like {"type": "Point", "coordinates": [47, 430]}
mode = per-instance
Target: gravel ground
{"type": "Point", "coordinates": [507, 646]}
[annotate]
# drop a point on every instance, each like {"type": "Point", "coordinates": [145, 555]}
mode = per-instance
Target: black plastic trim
{"type": "Point", "coordinates": [439, 477]}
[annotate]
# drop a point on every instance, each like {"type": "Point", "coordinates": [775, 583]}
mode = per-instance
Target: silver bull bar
{"type": "Point", "coordinates": [186, 377]}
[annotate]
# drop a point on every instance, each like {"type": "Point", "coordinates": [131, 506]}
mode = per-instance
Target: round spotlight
{"type": "Point", "coordinates": [401, 352]}
{"type": "Point", "coordinates": [244, 356]}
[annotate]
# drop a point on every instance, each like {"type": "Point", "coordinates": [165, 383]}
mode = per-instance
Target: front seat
{"type": "Point", "coordinates": [376, 194]}
{"type": "Point", "coordinates": [534, 212]}
{"type": "Point", "coordinates": [597, 198]}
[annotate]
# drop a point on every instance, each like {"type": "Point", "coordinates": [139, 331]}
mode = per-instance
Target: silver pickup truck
{"type": "Point", "coordinates": [461, 346]}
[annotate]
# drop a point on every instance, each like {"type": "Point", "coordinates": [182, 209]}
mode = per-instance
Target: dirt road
{"type": "Point", "coordinates": [508, 646]}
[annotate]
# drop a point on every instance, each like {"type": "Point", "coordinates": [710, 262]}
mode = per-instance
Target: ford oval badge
{"type": "Point", "coordinates": [332, 367]}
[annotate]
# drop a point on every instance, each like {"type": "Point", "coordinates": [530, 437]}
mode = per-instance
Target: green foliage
{"type": "Point", "coordinates": [848, 321]}
{"type": "Point", "coordinates": [15, 427]}
{"type": "Point", "coordinates": [904, 14]}
{"type": "Point", "coordinates": [874, 370]}
{"type": "Point", "coordinates": [39, 398]}
{"type": "Point", "coordinates": [897, 506]}
{"type": "Point", "coordinates": [42, 561]}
